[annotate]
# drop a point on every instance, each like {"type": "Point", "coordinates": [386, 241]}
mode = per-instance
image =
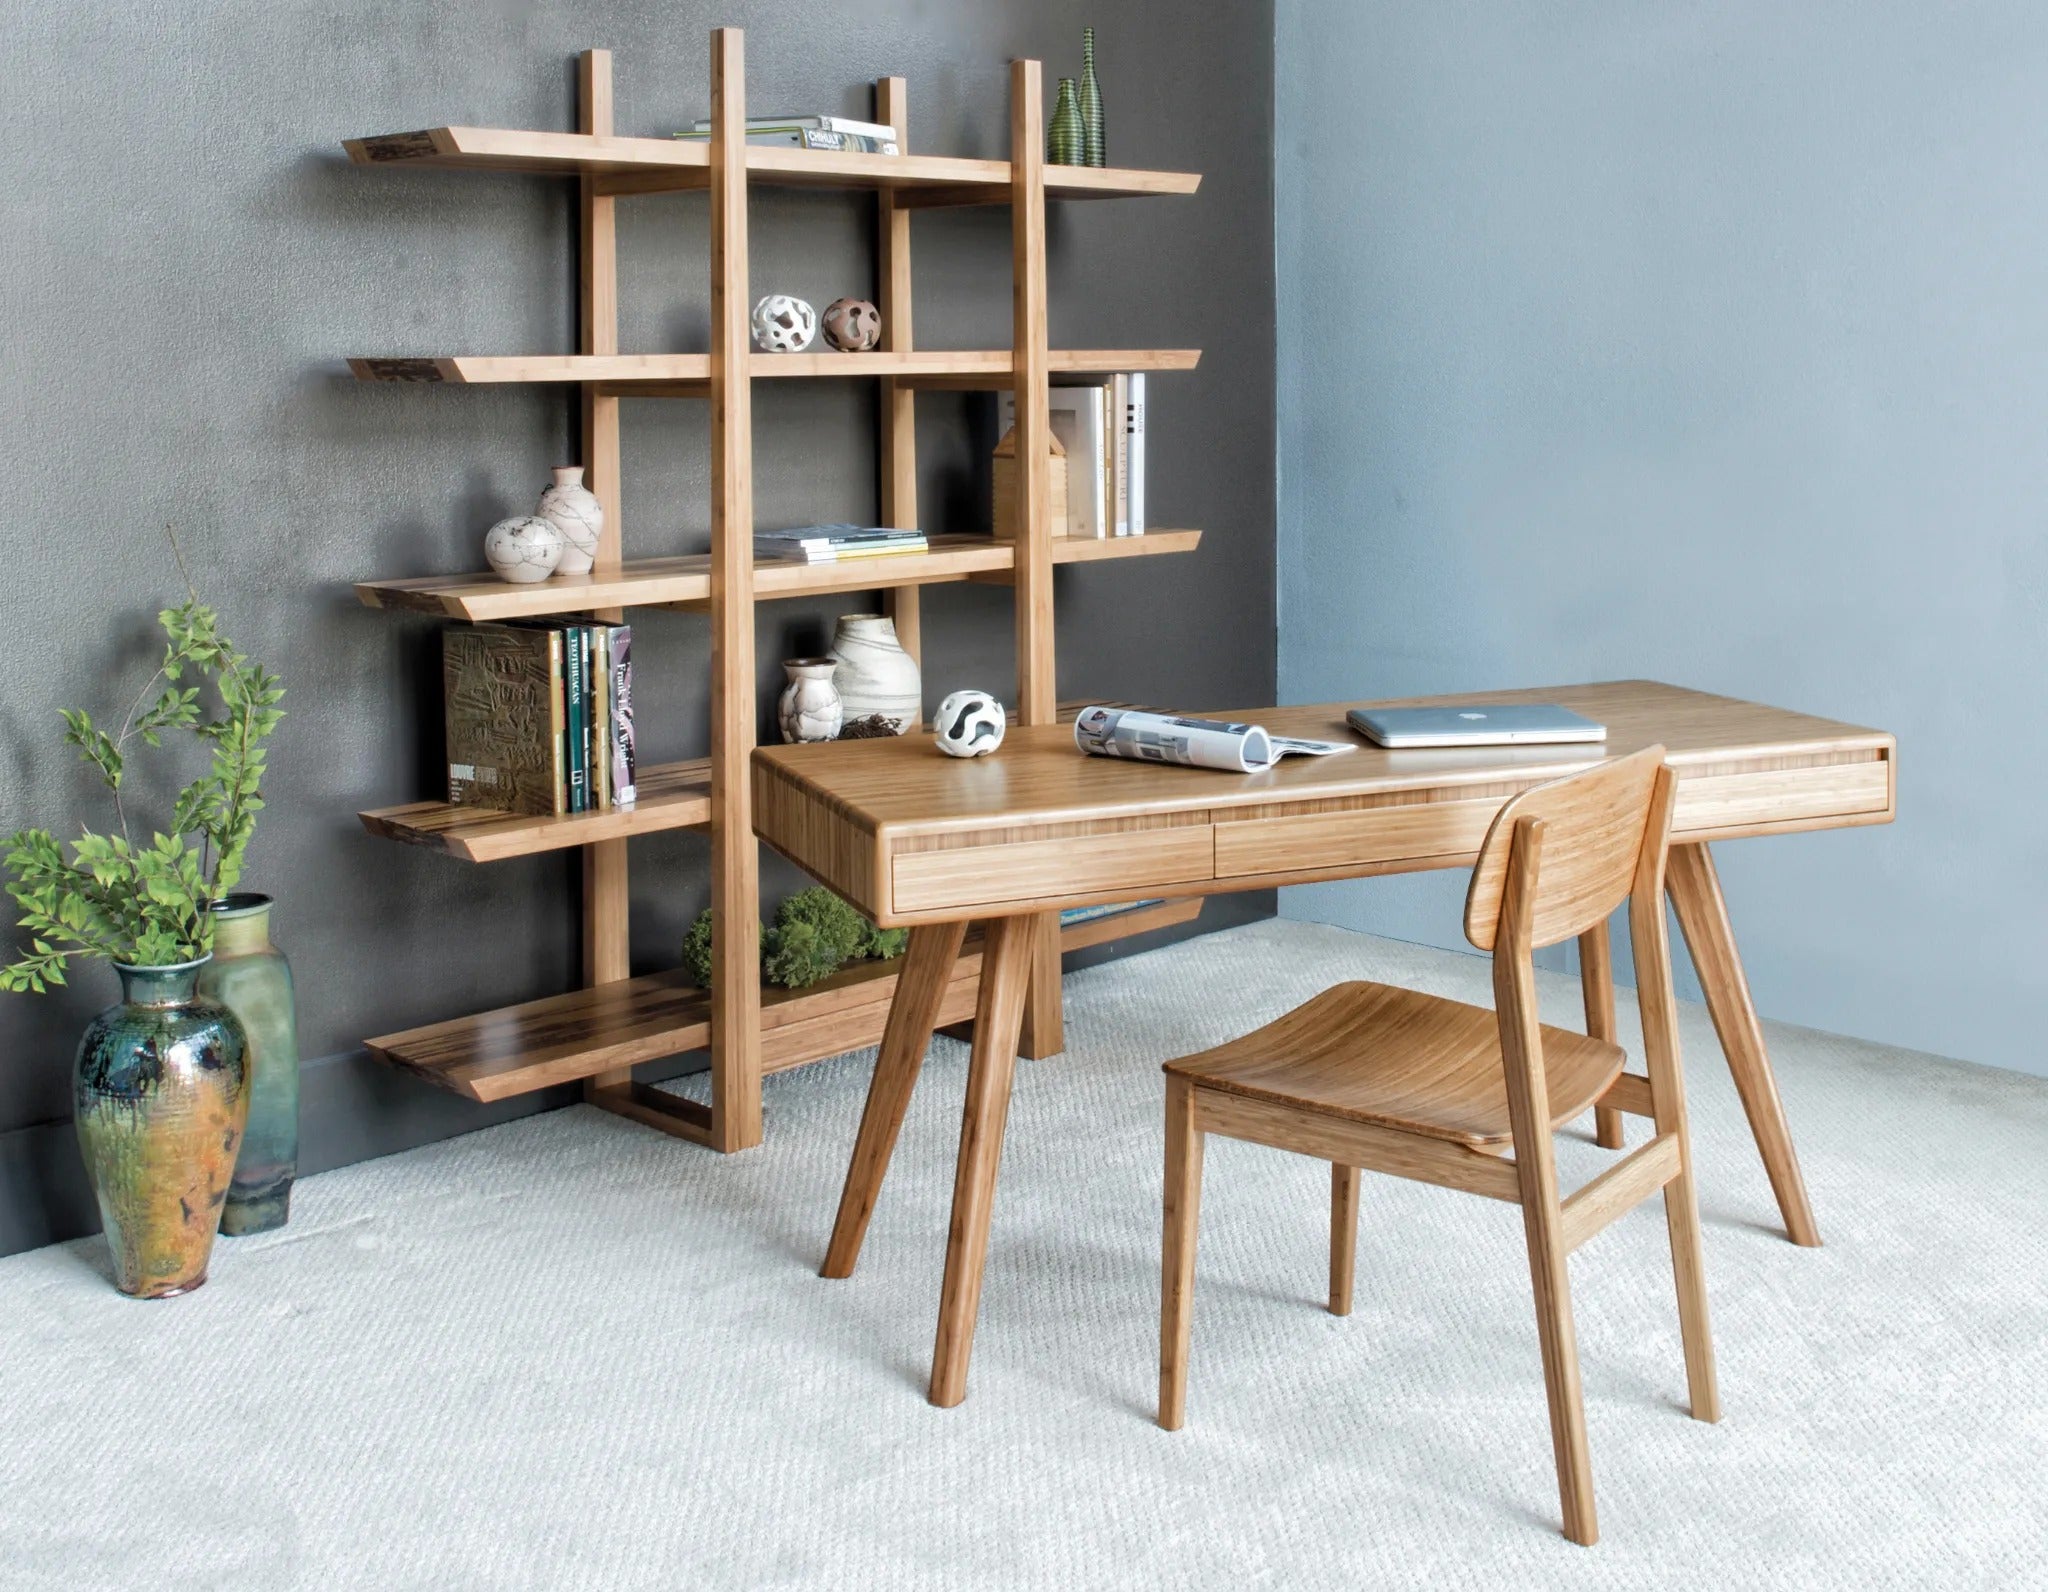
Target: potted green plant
{"type": "Point", "coordinates": [160, 1081]}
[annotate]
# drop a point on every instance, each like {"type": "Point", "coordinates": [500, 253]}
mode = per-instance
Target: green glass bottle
{"type": "Point", "coordinates": [1063, 138]}
{"type": "Point", "coordinates": [250, 977]}
{"type": "Point", "coordinates": [1090, 99]}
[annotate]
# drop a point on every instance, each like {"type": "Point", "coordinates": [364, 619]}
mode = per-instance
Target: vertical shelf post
{"type": "Point", "coordinates": [1037, 683]}
{"type": "Point", "coordinates": [735, 855]}
{"type": "Point", "coordinates": [606, 950]}
{"type": "Point", "coordinates": [899, 401]}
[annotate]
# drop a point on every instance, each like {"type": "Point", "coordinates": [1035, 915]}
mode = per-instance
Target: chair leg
{"type": "Point", "coordinates": [1561, 1367]}
{"type": "Point", "coordinates": [1183, 1209]}
{"type": "Point", "coordinates": [1343, 1235]}
{"type": "Point", "coordinates": [1682, 1221]}
{"type": "Point", "coordinates": [1596, 981]}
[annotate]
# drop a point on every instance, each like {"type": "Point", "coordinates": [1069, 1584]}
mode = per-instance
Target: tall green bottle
{"type": "Point", "coordinates": [1063, 139]}
{"type": "Point", "coordinates": [250, 977]}
{"type": "Point", "coordinates": [1090, 104]}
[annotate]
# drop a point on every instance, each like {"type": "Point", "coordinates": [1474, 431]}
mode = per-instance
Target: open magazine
{"type": "Point", "coordinates": [1147, 737]}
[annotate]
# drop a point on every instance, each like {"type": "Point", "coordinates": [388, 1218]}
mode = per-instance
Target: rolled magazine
{"type": "Point", "coordinates": [1145, 737]}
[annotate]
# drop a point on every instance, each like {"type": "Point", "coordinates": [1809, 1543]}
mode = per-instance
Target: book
{"type": "Point", "coordinates": [502, 689]}
{"type": "Point", "coordinates": [601, 716]}
{"type": "Point", "coordinates": [842, 556]}
{"type": "Point", "coordinates": [1079, 419]}
{"type": "Point", "coordinates": [810, 138]}
{"type": "Point", "coordinates": [837, 536]}
{"type": "Point", "coordinates": [1120, 475]}
{"type": "Point", "coordinates": [1134, 444]}
{"type": "Point", "coordinates": [576, 696]}
{"type": "Point", "coordinates": [822, 544]}
{"type": "Point", "coordinates": [1069, 916]}
{"type": "Point", "coordinates": [624, 756]}
{"type": "Point", "coordinates": [827, 124]}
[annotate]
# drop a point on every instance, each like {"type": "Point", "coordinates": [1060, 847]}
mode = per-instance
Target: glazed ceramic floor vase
{"type": "Point", "coordinates": [160, 1097]}
{"type": "Point", "coordinates": [251, 977]}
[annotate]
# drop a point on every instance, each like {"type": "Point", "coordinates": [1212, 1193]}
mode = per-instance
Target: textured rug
{"type": "Point", "coordinates": [569, 1352]}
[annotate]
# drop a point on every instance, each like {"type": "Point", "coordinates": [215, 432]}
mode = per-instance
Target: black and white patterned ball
{"type": "Point", "coordinates": [969, 724]}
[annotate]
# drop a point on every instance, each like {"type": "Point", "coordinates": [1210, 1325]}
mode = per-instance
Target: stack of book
{"type": "Point", "coordinates": [839, 133]}
{"type": "Point", "coordinates": [1102, 428]}
{"type": "Point", "coordinates": [826, 544]}
{"type": "Point", "coordinates": [540, 716]}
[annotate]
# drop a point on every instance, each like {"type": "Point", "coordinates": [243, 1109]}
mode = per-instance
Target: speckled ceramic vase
{"type": "Point", "coordinates": [573, 509]}
{"type": "Point", "coordinates": [250, 977]}
{"type": "Point", "coordinates": [160, 1093]}
{"type": "Point", "coordinates": [810, 709]}
{"type": "Point", "coordinates": [878, 682]}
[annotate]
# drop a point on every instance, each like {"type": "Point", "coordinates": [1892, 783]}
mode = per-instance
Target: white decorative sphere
{"type": "Point", "coordinates": [969, 724]}
{"type": "Point", "coordinates": [783, 325]}
{"type": "Point", "coordinates": [572, 508]}
{"type": "Point", "coordinates": [524, 548]}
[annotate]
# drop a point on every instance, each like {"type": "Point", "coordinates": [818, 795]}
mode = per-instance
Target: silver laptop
{"type": "Point", "coordinates": [1476, 724]}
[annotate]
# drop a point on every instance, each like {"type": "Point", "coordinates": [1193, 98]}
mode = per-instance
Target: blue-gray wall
{"type": "Point", "coordinates": [1707, 343]}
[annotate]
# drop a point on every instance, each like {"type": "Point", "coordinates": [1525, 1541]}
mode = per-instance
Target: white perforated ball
{"type": "Point", "coordinates": [783, 325]}
{"type": "Point", "coordinates": [969, 724]}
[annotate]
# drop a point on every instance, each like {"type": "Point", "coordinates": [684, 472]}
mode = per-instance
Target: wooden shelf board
{"type": "Point", "coordinates": [518, 1049]}
{"type": "Point", "coordinates": [515, 149]}
{"type": "Point", "coordinates": [689, 375]}
{"type": "Point", "coordinates": [662, 165]}
{"type": "Point", "coordinates": [638, 584]}
{"type": "Point", "coordinates": [671, 796]}
{"type": "Point", "coordinates": [685, 581]}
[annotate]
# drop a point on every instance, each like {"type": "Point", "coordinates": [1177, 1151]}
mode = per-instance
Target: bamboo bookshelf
{"type": "Point", "coordinates": [595, 1034]}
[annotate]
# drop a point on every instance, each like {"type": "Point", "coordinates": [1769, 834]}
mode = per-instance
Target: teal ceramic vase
{"type": "Point", "coordinates": [251, 978]}
{"type": "Point", "coordinates": [1090, 100]}
{"type": "Point", "coordinates": [160, 1094]}
{"type": "Point", "coordinates": [1063, 143]}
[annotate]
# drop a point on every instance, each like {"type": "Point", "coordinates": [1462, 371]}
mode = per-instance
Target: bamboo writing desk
{"type": "Point", "coordinates": [920, 840]}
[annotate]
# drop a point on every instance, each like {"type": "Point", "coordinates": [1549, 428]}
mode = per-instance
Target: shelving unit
{"type": "Point", "coordinates": [597, 1033]}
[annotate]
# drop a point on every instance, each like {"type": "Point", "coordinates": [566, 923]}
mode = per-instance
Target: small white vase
{"type": "Point", "coordinates": [877, 680]}
{"type": "Point", "coordinates": [524, 548]}
{"type": "Point", "coordinates": [572, 508]}
{"type": "Point", "coordinates": [810, 709]}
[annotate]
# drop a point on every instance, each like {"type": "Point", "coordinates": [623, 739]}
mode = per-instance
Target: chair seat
{"type": "Point", "coordinates": [1400, 1059]}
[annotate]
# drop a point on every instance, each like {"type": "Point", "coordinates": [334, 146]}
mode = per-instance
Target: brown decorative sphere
{"type": "Point", "coordinates": [853, 326]}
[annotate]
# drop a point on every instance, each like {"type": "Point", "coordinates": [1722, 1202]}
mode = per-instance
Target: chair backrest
{"type": "Point", "coordinates": [1592, 829]}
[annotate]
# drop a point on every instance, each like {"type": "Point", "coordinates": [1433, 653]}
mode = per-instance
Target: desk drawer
{"type": "Point", "coordinates": [1773, 798]}
{"type": "Point", "coordinates": [1034, 870]}
{"type": "Point", "coordinates": [1332, 842]}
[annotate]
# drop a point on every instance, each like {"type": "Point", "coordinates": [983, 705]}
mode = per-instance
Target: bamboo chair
{"type": "Point", "coordinates": [1366, 1075]}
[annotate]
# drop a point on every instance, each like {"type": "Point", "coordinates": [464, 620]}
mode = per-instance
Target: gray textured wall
{"type": "Point", "coordinates": [1702, 343]}
{"type": "Point", "coordinates": [187, 256]}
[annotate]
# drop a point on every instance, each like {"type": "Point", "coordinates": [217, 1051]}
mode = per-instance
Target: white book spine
{"type": "Point", "coordinates": [1120, 440]}
{"type": "Point", "coordinates": [1135, 420]}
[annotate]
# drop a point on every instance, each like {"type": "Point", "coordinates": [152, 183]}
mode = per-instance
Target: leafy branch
{"type": "Point", "coordinates": [150, 904]}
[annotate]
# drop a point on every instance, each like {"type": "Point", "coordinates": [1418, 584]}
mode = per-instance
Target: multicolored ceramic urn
{"type": "Point", "coordinates": [161, 1095]}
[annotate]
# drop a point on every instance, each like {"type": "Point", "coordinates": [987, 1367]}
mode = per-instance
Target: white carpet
{"type": "Point", "coordinates": [571, 1353]}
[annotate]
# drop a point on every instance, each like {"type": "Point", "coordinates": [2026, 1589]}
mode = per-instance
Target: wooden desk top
{"type": "Point", "coordinates": [912, 836]}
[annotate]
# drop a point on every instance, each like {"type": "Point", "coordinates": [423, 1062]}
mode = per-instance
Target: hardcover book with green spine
{"type": "Point", "coordinates": [503, 691]}
{"type": "Point", "coordinates": [577, 693]}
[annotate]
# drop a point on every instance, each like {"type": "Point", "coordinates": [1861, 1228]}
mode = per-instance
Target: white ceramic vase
{"type": "Point", "coordinates": [877, 680]}
{"type": "Point", "coordinates": [572, 508]}
{"type": "Point", "coordinates": [524, 548]}
{"type": "Point", "coordinates": [810, 709]}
